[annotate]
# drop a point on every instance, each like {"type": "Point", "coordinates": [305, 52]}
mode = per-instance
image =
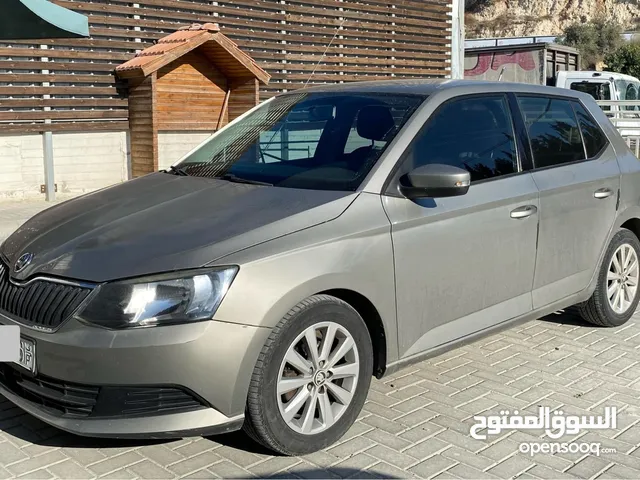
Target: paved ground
{"type": "Point", "coordinates": [415, 424]}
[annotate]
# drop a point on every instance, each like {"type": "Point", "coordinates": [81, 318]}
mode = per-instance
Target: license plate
{"type": "Point", "coordinates": [27, 354]}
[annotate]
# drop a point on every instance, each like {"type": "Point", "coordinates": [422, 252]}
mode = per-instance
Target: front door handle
{"type": "Point", "coordinates": [524, 212]}
{"type": "Point", "coordinates": [603, 193]}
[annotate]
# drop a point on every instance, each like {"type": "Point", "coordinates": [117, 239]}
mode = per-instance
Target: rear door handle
{"type": "Point", "coordinates": [524, 212]}
{"type": "Point", "coordinates": [603, 193]}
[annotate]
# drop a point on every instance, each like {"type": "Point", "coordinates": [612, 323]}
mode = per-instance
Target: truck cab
{"type": "Point", "coordinates": [605, 87]}
{"type": "Point", "coordinates": [600, 85]}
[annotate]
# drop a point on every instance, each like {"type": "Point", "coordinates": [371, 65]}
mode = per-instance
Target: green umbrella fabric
{"type": "Point", "coordinates": [39, 19]}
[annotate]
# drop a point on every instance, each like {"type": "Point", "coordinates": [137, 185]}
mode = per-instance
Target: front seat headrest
{"type": "Point", "coordinates": [374, 122]}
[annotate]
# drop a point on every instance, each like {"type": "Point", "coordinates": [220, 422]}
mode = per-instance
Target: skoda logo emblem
{"type": "Point", "coordinates": [23, 262]}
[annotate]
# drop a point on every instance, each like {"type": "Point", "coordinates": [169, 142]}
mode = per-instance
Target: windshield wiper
{"type": "Point", "coordinates": [232, 178]}
{"type": "Point", "coordinates": [177, 171]}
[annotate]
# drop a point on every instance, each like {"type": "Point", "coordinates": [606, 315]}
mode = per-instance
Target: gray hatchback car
{"type": "Point", "coordinates": [328, 235]}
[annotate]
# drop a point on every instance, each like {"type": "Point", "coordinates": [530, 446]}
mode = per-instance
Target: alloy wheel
{"type": "Point", "coordinates": [318, 378]}
{"type": "Point", "coordinates": [622, 278]}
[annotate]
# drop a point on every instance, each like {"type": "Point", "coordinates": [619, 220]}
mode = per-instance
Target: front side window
{"type": "Point", "coordinates": [553, 131]}
{"type": "Point", "coordinates": [324, 141]}
{"type": "Point", "coordinates": [474, 133]}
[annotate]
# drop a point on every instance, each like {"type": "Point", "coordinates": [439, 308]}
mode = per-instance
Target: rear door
{"type": "Point", "coordinates": [578, 176]}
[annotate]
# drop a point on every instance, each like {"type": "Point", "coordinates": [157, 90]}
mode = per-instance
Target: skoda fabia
{"type": "Point", "coordinates": [328, 235]}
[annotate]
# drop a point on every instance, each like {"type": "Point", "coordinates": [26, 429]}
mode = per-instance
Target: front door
{"type": "Point", "coordinates": [464, 263]}
{"type": "Point", "coordinates": [578, 176]}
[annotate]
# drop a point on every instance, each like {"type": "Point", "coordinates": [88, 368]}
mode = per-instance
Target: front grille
{"type": "Point", "coordinates": [73, 400]}
{"type": "Point", "coordinates": [55, 396]}
{"type": "Point", "coordinates": [42, 303]}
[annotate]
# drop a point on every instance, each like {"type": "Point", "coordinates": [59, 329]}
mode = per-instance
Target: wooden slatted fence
{"type": "Point", "coordinates": [68, 84]}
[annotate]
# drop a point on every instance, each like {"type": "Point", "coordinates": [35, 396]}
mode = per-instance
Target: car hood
{"type": "Point", "coordinates": [161, 223]}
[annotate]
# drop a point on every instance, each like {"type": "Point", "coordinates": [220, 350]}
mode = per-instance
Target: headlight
{"type": "Point", "coordinates": [180, 297]}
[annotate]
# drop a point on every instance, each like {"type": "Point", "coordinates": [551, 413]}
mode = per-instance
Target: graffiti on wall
{"type": "Point", "coordinates": [518, 66]}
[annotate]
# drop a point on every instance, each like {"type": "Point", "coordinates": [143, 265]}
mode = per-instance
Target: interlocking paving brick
{"type": "Point", "coordinates": [227, 469]}
{"type": "Point", "coordinates": [427, 448]}
{"type": "Point", "coordinates": [589, 466]}
{"type": "Point", "coordinates": [512, 467]}
{"type": "Point", "coordinates": [41, 474]}
{"type": "Point", "coordinates": [10, 453]}
{"type": "Point", "coordinates": [149, 470]}
{"type": "Point", "coordinates": [275, 464]}
{"type": "Point", "coordinates": [468, 458]}
{"type": "Point", "coordinates": [465, 471]}
{"type": "Point", "coordinates": [122, 474]}
{"type": "Point", "coordinates": [115, 463]}
{"type": "Point", "coordinates": [351, 446]}
{"type": "Point", "coordinates": [356, 463]}
{"type": "Point", "coordinates": [4, 474]}
{"type": "Point", "coordinates": [432, 466]}
{"type": "Point", "coordinates": [194, 463]}
{"type": "Point", "coordinates": [393, 457]}
{"type": "Point", "coordinates": [70, 470]}
{"type": "Point", "coordinates": [383, 438]}
{"type": "Point", "coordinates": [35, 463]}
{"type": "Point", "coordinates": [203, 474]}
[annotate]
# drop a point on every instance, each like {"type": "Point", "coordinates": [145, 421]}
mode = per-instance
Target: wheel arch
{"type": "Point", "coordinates": [367, 310]}
{"type": "Point", "coordinates": [632, 224]}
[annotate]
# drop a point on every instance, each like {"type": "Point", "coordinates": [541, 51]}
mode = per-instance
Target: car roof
{"type": "Point", "coordinates": [429, 87]}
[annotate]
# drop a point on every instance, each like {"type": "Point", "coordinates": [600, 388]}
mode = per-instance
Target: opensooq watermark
{"type": "Point", "coordinates": [555, 424]}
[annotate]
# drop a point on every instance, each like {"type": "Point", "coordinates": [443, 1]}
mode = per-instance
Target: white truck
{"type": "Point", "coordinates": [616, 93]}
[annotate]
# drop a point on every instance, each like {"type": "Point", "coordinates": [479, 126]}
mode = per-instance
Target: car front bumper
{"type": "Point", "coordinates": [157, 382]}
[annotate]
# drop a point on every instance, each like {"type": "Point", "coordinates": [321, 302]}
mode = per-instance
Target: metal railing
{"type": "Point", "coordinates": [625, 116]}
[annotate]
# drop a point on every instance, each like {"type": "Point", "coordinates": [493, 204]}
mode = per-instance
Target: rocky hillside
{"type": "Point", "coordinates": [502, 18]}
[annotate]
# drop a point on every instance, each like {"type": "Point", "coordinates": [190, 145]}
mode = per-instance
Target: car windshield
{"type": "Point", "coordinates": [323, 141]}
{"type": "Point", "coordinates": [628, 91]}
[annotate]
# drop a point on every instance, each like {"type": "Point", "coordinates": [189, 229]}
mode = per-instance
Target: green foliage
{"type": "Point", "coordinates": [475, 6]}
{"type": "Point", "coordinates": [626, 59]}
{"type": "Point", "coordinates": [594, 40]}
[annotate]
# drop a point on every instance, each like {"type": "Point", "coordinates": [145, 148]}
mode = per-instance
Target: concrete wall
{"type": "Point", "coordinates": [83, 162]}
{"type": "Point", "coordinates": [21, 165]}
{"type": "Point", "coordinates": [173, 145]}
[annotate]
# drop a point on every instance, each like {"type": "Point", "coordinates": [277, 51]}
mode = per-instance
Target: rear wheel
{"type": "Point", "coordinates": [615, 298]}
{"type": "Point", "coordinates": [311, 379]}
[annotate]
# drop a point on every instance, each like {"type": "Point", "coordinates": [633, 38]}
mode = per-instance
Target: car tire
{"type": "Point", "coordinates": [335, 388]}
{"type": "Point", "coordinates": [603, 309]}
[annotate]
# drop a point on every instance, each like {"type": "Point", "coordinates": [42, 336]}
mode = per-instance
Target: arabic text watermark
{"type": "Point", "coordinates": [555, 424]}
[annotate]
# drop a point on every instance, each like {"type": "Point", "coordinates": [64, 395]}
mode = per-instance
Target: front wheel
{"type": "Point", "coordinates": [311, 379]}
{"type": "Point", "coordinates": [615, 298]}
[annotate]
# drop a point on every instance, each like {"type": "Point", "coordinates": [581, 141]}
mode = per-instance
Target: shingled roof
{"type": "Point", "coordinates": [221, 50]}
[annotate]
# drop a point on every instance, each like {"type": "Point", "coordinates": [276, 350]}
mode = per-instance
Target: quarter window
{"type": "Point", "coordinates": [594, 139]}
{"type": "Point", "coordinates": [474, 133]}
{"type": "Point", "coordinates": [553, 131]}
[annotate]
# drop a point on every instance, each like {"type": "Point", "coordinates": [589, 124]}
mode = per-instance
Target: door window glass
{"type": "Point", "coordinates": [473, 133]}
{"type": "Point", "coordinates": [553, 131]}
{"type": "Point", "coordinates": [594, 138]}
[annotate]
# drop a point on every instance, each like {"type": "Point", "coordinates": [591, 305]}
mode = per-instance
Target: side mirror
{"type": "Point", "coordinates": [435, 181]}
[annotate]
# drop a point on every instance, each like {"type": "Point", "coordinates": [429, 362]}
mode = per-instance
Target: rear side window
{"type": "Point", "coordinates": [594, 138]}
{"type": "Point", "coordinates": [553, 131]}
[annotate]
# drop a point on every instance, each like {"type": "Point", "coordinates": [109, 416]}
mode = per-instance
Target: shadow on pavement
{"type": "Point", "coordinates": [569, 317]}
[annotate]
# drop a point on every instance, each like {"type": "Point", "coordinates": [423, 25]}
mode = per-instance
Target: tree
{"type": "Point", "coordinates": [594, 40]}
{"type": "Point", "coordinates": [626, 59]}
